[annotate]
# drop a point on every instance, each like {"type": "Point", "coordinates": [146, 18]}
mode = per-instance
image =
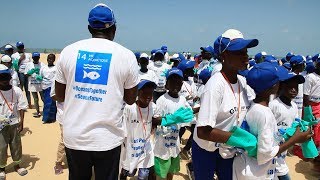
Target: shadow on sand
{"type": "Point", "coordinates": [28, 162]}
{"type": "Point", "coordinates": [306, 168]}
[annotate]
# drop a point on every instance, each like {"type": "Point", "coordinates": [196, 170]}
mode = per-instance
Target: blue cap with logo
{"type": "Point", "coordinates": [233, 40]}
{"type": "Point", "coordinates": [174, 71]}
{"type": "Point", "coordinates": [205, 74]}
{"type": "Point", "coordinates": [186, 64]}
{"type": "Point", "coordinates": [101, 17]}
{"type": "Point", "coordinates": [288, 75]}
{"type": "Point", "coordinates": [264, 75]}
{"type": "Point", "coordinates": [19, 43]}
{"type": "Point", "coordinates": [144, 82]}
{"type": "Point", "coordinates": [35, 54]}
{"type": "Point", "coordinates": [296, 60]}
{"type": "Point", "coordinates": [271, 59]}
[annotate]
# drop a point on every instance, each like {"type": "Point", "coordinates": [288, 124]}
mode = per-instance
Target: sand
{"type": "Point", "coordinates": [40, 143]}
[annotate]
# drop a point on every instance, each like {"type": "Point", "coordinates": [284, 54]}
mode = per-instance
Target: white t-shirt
{"type": "Point", "coordinates": [33, 84]}
{"type": "Point", "coordinates": [15, 78]}
{"type": "Point", "coordinates": [263, 125]}
{"type": "Point", "coordinates": [59, 105]}
{"type": "Point", "coordinates": [96, 71]}
{"type": "Point", "coordinates": [23, 63]}
{"type": "Point", "coordinates": [167, 141]}
{"type": "Point", "coordinates": [48, 74]}
{"type": "Point", "coordinates": [167, 57]}
{"type": "Point", "coordinates": [161, 80]}
{"type": "Point", "coordinates": [285, 116]}
{"type": "Point", "coordinates": [214, 64]}
{"type": "Point", "coordinates": [149, 75]}
{"type": "Point", "coordinates": [312, 87]}
{"type": "Point", "coordinates": [219, 108]}
{"type": "Point", "coordinates": [189, 91]}
{"type": "Point", "coordinates": [138, 144]}
{"type": "Point", "coordinates": [16, 100]}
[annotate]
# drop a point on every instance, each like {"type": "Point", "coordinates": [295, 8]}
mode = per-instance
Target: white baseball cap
{"type": "Point", "coordinates": [5, 58]}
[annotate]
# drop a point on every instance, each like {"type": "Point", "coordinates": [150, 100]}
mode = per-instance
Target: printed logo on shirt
{"type": "Point", "coordinates": [93, 67]}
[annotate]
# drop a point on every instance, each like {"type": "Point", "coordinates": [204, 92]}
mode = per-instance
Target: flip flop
{"type": "Point", "coordinates": [2, 175]}
{"type": "Point", "coordinates": [22, 171]}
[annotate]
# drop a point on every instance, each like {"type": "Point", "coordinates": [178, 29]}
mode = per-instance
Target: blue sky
{"type": "Point", "coordinates": [183, 25]}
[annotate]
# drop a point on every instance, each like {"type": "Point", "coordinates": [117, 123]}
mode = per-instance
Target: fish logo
{"type": "Point", "coordinates": [93, 75]}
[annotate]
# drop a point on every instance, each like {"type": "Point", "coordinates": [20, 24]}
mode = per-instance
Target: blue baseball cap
{"type": "Point", "coordinates": [259, 55]}
{"type": "Point", "coordinates": [233, 40]}
{"type": "Point", "coordinates": [296, 60]}
{"type": "Point", "coordinates": [144, 82]}
{"type": "Point", "coordinates": [101, 17]}
{"type": "Point", "coordinates": [208, 49]}
{"type": "Point", "coordinates": [288, 75]}
{"type": "Point", "coordinates": [153, 51]}
{"type": "Point", "coordinates": [252, 62]}
{"type": "Point", "coordinates": [164, 48]}
{"type": "Point", "coordinates": [186, 64]}
{"type": "Point", "coordinates": [316, 58]}
{"type": "Point", "coordinates": [287, 65]}
{"type": "Point", "coordinates": [19, 43]}
{"type": "Point", "coordinates": [310, 67]}
{"type": "Point", "coordinates": [4, 69]}
{"type": "Point", "coordinates": [159, 51]}
{"type": "Point", "coordinates": [173, 71]}
{"type": "Point", "coordinates": [35, 54]}
{"type": "Point", "coordinates": [205, 74]}
{"type": "Point", "coordinates": [137, 54]}
{"type": "Point", "coordinates": [289, 56]}
{"type": "Point", "coordinates": [271, 59]}
{"type": "Point", "coordinates": [308, 57]}
{"type": "Point", "coordinates": [264, 75]}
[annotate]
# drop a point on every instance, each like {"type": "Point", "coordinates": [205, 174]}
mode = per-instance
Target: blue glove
{"type": "Point", "coordinates": [182, 115]}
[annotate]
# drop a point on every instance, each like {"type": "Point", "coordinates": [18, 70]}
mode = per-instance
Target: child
{"type": "Point", "coordinates": [297, 63]}
{"type": "Point", "coordinates": [189, 91]}
{"type": "Point", "coordinates": [34, 80]}
{"type": "Point", "coordinates": [48, 73]}
{"type": "Point", "coordinates": [7, 61]}
{"type": "Point", "coordinates": [144, 72]}
{"type": "Point", "coordinates": [12, 107]}
{"type": "Point", "coordinates": [138, 119]}
{"type": "Point", "coordinates": [264, 79]}
{"type": "Point", "coordinates": [285, 111]}
{"type": "Point", "coordinates": [159, 67]}
{"type": "Point", "coordinates": [311, 98]}
{"type": "Point", "coordinates": [167, 141]}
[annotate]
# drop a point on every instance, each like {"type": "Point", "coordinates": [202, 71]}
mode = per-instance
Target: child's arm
{"type": "Point", "coordinates": [298, 137]}
{"type": "Point", "coordinates": [21, 113]}
{"type": "Point", "coordinates": [195, 110]}
{"type": "Point", "coordinates": [306, 100]}
{"type": "Point", "coordinates": [213, 134]}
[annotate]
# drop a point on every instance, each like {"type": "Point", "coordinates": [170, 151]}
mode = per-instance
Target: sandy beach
{"type": "Point", "coordinates": [40, 143]}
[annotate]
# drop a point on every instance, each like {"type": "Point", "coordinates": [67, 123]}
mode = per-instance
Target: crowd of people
{"type": "Point", "coordinates": [130, 110]}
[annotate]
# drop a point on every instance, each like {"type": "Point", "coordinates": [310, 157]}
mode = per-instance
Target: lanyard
{"type": "Point", "coordinates": [5, 100]}
{"type": "Point", "coordinates": [239, 108]}
{"type": "Point", "coordinates": [190, 92]}
{"type": "Point", "coordinates": [143, 124]}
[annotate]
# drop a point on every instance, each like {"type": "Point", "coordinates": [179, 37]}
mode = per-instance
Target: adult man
{"type": "Point", "coordinates": [95, 78]}
{"type": "Point", "coordinates": [23, 58]}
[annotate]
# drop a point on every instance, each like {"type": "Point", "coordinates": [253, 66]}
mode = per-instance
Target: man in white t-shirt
{"type": "Point", "coordinates": [22, 58]}
{"type": "Point", "coordinates": [144, 72]}
{"type": "Point", "coordinates": [95, 78]}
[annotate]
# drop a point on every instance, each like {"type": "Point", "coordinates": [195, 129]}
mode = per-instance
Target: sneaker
{"type": "Point", "coordinates": [21, 171]}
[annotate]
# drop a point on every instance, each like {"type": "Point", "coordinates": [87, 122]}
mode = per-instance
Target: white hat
{"type": "Point", "coordinates": [5, 58]}
{"type": "Point", "coordinates": [8, 46]}
{"type": "Point", "coordinates": [144, 55]}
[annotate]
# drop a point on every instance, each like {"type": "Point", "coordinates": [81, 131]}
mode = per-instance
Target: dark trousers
{"type": "Point", "coordinates": [104, 163]}
{"type": "Point", "coordinates": [24, 85]}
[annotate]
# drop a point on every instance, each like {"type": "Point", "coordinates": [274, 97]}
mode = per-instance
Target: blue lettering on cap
{"type": "Point", "coordinates": [93, 67]}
